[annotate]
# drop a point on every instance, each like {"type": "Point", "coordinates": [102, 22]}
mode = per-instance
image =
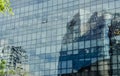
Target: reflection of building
{"type": "Point", "coordinates": [73, 29]}
{"type": "Point", "coordinates": [93, 49]}
{"type": "Point", "coordinates": [72, 34]}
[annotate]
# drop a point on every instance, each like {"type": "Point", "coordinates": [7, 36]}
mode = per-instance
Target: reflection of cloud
{"type": "Point", "coordinates": [84, 16]}
{"type": "Point", "coordinates": [95, 19]}
{"type": "Point", "coordinates": [84, 12]}
{"type": "Point", "coordinates": [107, 16]}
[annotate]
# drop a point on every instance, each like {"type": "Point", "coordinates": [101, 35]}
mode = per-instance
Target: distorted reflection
{"type": "Point", "coordinates": [94, 41]}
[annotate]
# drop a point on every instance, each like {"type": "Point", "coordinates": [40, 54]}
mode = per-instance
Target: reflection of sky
{"type": "Point", "coordinates": [34, 19]}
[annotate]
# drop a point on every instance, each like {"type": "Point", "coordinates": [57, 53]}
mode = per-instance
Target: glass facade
{"type": "Point", "coordinates": [65, 37]}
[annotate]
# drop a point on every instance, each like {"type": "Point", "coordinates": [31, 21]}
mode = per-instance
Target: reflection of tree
{"type": "Point", "coordinates": [15, 58]}
{"type": "Point", "coordinates": [18, 55]}
{"type": "Point", "coordinates": [21, 71]}
{"type": "Point", "coordinates": [114, 34]}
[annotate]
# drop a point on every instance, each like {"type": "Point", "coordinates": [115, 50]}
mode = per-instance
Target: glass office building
{"type": "Point", "coordinates": [65, 37]}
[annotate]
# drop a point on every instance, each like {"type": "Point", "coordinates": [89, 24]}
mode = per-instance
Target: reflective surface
{"type": "Point", "coordinates": [64, 37]}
